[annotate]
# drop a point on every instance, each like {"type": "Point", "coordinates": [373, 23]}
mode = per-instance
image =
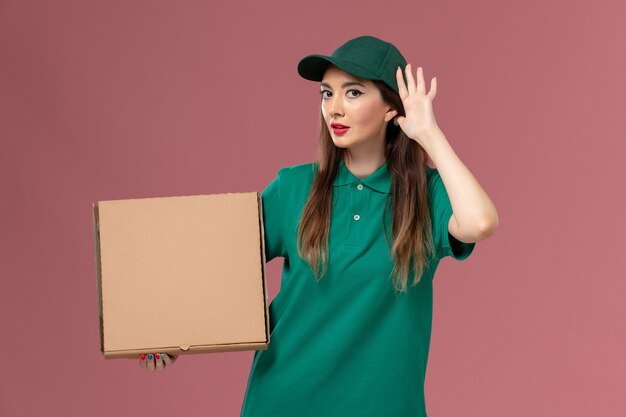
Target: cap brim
{"type": "Point", "coordinates": [312, 67]}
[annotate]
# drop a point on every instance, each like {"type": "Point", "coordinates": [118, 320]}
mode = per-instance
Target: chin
{"type": "Point", "coordinates": [341, 143]}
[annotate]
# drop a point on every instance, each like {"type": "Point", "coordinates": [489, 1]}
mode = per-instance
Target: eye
{"type": "Point", "coordinates": [327, 91]}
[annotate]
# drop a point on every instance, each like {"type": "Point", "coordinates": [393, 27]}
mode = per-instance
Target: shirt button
{"type": "Point", "coordinates": [360, 186]}
{"type": "Point", "coordinates": [357, 217]}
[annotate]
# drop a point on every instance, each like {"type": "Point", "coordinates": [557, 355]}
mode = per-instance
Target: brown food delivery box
{"type": "Point", "coordinates": [181, 274]}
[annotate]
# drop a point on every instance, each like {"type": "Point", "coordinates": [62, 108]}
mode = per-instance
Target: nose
{"type": "Point", "coordinates": [335, 106]}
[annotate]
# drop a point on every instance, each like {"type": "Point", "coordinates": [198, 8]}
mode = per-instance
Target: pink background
{"type": "Point", "coordinates": [129, 99]}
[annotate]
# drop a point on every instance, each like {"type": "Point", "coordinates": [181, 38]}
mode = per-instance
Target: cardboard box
{"type": "Point", "coordinates": [181, 275]}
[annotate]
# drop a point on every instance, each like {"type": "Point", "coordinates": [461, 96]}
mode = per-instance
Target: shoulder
{"type": "Point", "coordinates": [295, 182]}
{"type": "Point", "coordinates": [430, 171]}
{"type": "Point", "coordinates": [435, 186]}
{"type": "Point", "coordinates": [432, 177]}
{"type": "Point", "coordinates": [299, 170]}
{"type": "Point", "coordinates": [297, 174]}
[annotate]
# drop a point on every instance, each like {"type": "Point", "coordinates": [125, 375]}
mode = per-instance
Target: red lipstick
{"type": "Point", "coordinates": [339, 129]}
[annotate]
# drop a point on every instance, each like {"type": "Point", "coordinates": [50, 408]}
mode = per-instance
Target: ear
{"type": "Point", "coordinates": [391, 113]}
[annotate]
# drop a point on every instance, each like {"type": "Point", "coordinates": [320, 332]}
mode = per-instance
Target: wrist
{"type": "Point", "coordinates": [430, 136]}
{"type": "Point", "coordinates": [431, 133]}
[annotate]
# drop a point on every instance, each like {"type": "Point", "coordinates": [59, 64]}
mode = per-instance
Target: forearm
{"type": "Point", "coordinates": [473, 210]}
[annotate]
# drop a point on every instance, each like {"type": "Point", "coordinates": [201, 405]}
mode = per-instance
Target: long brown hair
{"type": "Point", "coordinates": [411, 231]}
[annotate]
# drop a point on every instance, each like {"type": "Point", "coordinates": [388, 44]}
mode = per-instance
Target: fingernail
{"type": "Point", "coordinates": [150, 356]}
{"type": "Point", "coordinates": [142, 357]}
{"type": "Point", "coordinates": [157, 356]}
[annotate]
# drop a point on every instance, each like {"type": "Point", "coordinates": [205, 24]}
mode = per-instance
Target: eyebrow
{"type": "Point", "coordinates": [344, 85]}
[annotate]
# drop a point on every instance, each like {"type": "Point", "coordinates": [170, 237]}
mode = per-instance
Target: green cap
{"type": "Point", "coordinates": [365, 56]}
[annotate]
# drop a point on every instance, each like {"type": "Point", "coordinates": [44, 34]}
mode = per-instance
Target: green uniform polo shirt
{"type": "Point", "coordinates": [347, 345]}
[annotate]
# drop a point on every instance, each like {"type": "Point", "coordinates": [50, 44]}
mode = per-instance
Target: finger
{"type": "Point", "coordinates": [401, 86]}
{"type": "Point", "coordinates": [142, 361]}
{"type": "Point", "coordinates": [151, 365]}
{"type": "Point", "coordinates": [421, 85]}
{"type": "Point", "coordinates": [409, 79]}
{"type": "Point", "coordinates": [167, 359]}
{"type": "Point", "coordinates": [158, 359]}
{"type": "Point", "coordinates": [433, 88]}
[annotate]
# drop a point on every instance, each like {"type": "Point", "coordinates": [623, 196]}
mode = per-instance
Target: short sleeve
{"type": "Point", "coordinates": [272, 219]}
{"type": "Point", "coordinates": [440, 213]}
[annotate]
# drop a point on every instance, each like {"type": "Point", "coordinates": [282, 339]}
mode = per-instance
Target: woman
{"type": "Point", "coordinates": [362, 231]}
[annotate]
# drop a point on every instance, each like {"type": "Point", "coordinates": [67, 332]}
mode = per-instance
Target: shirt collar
{"type": "Point", "coordinates": [379, 180]}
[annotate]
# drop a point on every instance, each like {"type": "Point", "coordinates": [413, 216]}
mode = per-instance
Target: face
{"type": "Point", "coordinates": [357, 103]}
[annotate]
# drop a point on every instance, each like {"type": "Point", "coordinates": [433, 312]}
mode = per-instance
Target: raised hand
{"type": "Point", "coordinates": [418, 105]}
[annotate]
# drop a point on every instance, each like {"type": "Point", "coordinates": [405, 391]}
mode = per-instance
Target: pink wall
{"type": "Point", "coordinates": [129, 99]}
